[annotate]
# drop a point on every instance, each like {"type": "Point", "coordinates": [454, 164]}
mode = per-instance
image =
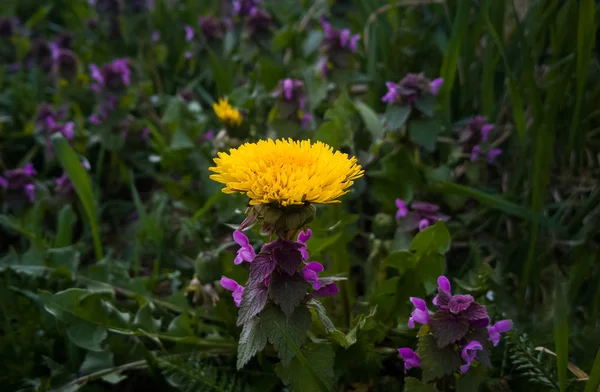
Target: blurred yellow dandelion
{"type": "Point", "coordinates": [286, 172]}
{"type": "Point", "coordinates": [228, 115]}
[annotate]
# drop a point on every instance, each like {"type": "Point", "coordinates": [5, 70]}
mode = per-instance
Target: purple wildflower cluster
{"type": "Point", "coordinates": [115, 76]}
{"type": "Point", "coordinates": [20, 181]}
{"type": "Point", "coordinates": [411, 88]}
{"type": "Point", "coordinates": [214, 29]}
{"type": "Point", "coordinates": [337, 46]}
{"type": "Point", "coordinates": [292, 101]}
{"type": "Point", "coordinates": [279, 260]}
{"type": "Point", "coordinates": [245, 7]}
{"type": "Point", "coordinates": [418, 214]}
{"type": "Point", "coordinates": [460, 324]}
{"type": "Point", "coordinates": [256, 19]}
{"type": "Point", "coordinates": [475, 139]}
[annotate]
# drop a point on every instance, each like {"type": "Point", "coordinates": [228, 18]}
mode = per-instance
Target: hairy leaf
{"type": "Point", "coordinates": [436, 362]}
{"type": "Point", "coordinates": [320, 357]}
{"type": "Point", "coordinates": [252, 340]}
{"type": "Point", "coordinates": [253, 301]}
{"type": "Point", "coordinates": [273, 321]}
{"type": "Point", "coordinates": [448, 328]}
{"type": "Point", "coordinates": [287, 291]}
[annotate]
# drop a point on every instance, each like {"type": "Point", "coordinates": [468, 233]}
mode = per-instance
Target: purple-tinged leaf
{"type": "Point", "coordinates": [448, 328]}
{"type": "Point", "coordinates": [288, 258]}
{"type": "Point", "coordinates": [253, 301]}
{"type": "Point", "coordinates": [261, 268]}
{"type": "Point", "coordinates": [477, 312]}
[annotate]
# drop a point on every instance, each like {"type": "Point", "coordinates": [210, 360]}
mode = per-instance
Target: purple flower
{"type": "Point", "coordinates": [326, 291]}
{"type": "Point", "coordinates": [392, 94]}
{"type": "Point", "coordinates": [237, 289]}
{"type": "Point", "coordinates": [460, 305]}
{"type": "Point", "coordinates": [311, 274]}
{"type": "Point", "coordinates": [258, 22]}
{"type": "Point", "coordinates": [189, 33]}
{"type": "Point", "coordinates": [30, 192]}
{"type": "Point", "coordinates": [188, 55]}
{"type": "Point", "coordinates": [493, 153]}
{"type": "Point", "coordinates": [410, 88]}
{"type": "Point", "coordinates": [290, 89]}
{"type": "Point", "coordinates": [20, 180]}
{"type": "Point", "coordinates": [145, 134]}
{"type": "Point", "coordinates": [245, 7]}
{"type": "Point", "coordinates": [303, 238]}
{"type": "Point", "coordinates": [411, 358]}
{"type": "Point", "coordinates": [434, 86]}
{"type": "Point", "coordinates": [338, 38]}
{"type": "Point", "coordinates": [420, 314]}
{"type": "Point", "coordinates": [115, 75]}
{"type": "Point", "coordinates": [214, 29]}
{"type": "Point", "coordinates": [246, 252]}
{"type": "Point", "coordinates": [155, 36]}
{"type": "Point", "coordinates": [475, 153]}
{"type": "Point", "coordinates": [498, 328]}
{"type": "Point", "coordinates": [402, 209]}
{"type": "Point", "coordinates": [485, 131]}
{"type": "Point", "coordinates": [305, 120]}
{"type": "Point", "coordinates": [421, 214]}
{"type": "Point", "coordinates": [469, 352]}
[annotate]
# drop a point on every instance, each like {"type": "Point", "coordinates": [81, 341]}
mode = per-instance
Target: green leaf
{"type": "Point", "coordinates": [561, 334]}
{"type": "Point", "coordinates": [594, 380]}
{"type": "Point", "coordinates": [315, 374]}
{"type": "Point", "coordinates": [96, 361]}
{"type": "Point", "coordinates": [144, 320]}
{"type": "Point", "coordinates": [412, 384]}
{"type": "Point", "coordinates": [181, 140]}
{"type": "Point", "coordinates": [81, 181]}
{"type": "Point", "coordinates": [88, 336]}
{"type": "Point", "coordinates": [312, 42]}
{"type": "Point", "coordinates": [370, 119]}
{"type": "Point", "coordinates": [436, 362]}
{"type": "Point", "coordinates": [253, 302]}
{"type": "Point", "coordinates": [401, 261]}
{"type": "Point", "coordinates": [63, 257]}
{"type": "Point", "coordinates": [426, 105]}
{"type": "Point", "coordinates": [435, 238]}
{"type": "Point", "coordinates": [335, 334]}
{"type": "Point", "coordinates": [425, 133]}
{"type": "Point", "coordinates": [252, 340]}
{"type": "Point", "coordinates": [396, 116]}
{"type": "Point", "coordinates": [471, 380]}
{"type": "Point", "coordinates": [275, 324]}
{"type": "Point", "coordinates": [287, 291]}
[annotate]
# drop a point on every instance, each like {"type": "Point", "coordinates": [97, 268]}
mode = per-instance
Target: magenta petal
{"type": "Point", "coordinates": [424, 206]}
{"type": "Point", "coordinates": [434, 86]}
{"type": "Point", "coordinates": [3, 183]}
{"type": "Point", "coordinates": [402, 209]}
{"type": "Point", "coordinates": [444, 283]}
{"type": "Point", "coordinates": [459, 303]}
{"type": "Point", "coordinates": [327, 291]}
{"type": "Point", "coordinates": [423, 224]}
{"type": "Point", "coordinates": [493, 154]}
{"type": "Point", "coordinates": [475, 153]}
{"type": "Point", "coordinates": [229, 284]}
{"type": "Point", "coordinates": [29, 170]}
{"type": "Point", "coordinates": [485, 131]}
{"type": "Point", "coordinates": [30, 192]}
{"type": "Point", "coordinates": [420, 316]}
{"type": "Point", "coordinates": [503, 326]}
{"type": "Point", "coordinates": [241, 239]}
{"type": "Point", "coordinates": [419, 303]}
{"type": "Point", "coordinates": [304, 236]}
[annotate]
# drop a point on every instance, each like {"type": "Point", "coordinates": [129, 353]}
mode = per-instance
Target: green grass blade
{"type": "Point", "coordinates": [593, 383]}
{"type": "Point", "coordinates": [586, 35]}
{"type": "Point", "coordinates": [513, 89]}
{"type": "Point", "coordinates": [496, 202]}
{"type": "Point", "coordinates": [64, 227]}
{"type": "Point", "coordinates": [561, 334]}
{"type": "Point", "coordinates": [450, 62]}
{"type": "Point", "coordinates": [82, 184]}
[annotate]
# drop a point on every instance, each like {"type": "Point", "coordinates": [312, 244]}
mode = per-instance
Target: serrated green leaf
{"type": "Point", "coordinates": [412, 384]}
{"type": "Point", "coordinates": [396, 116]}
{"type": "Point", "coordinates": [320, 358]}
{"type": "Point", "coordinates": [471, 380]}
{"type": "Point", "coordinates": [436, 362]}
{"type": "Point", "coordinates": [252, 340]}
{"type": "Point", "coordinates": [287, 291]}
{"type": "Point", "coordinates": [448, 329]}
{"type": "Point", "coordinates": [273, 321]}
{"type": "Point", "coordinates": [425, 133]}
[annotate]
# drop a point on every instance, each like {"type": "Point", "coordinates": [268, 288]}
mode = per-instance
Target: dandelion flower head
{"type": "Point", "coordinates": [286, 172]}
{"type": "Point", "coordinates": [226, 113]}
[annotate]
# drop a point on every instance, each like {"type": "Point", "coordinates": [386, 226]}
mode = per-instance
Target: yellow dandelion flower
{"type": "Point", "coordinates": [286, 172]}
{"type": "Point", "coordinates": [226, 113]}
